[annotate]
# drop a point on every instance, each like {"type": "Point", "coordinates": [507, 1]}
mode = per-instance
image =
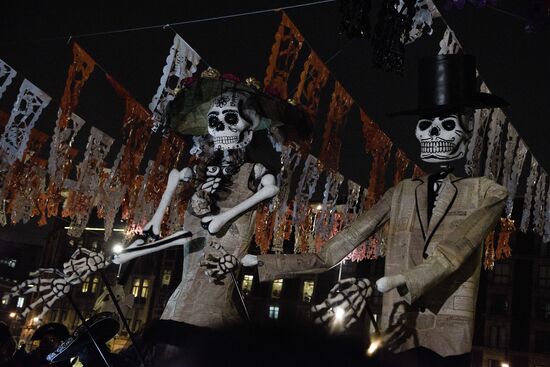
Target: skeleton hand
{"type": "Point", "coordinates": [51, 284]}
{"type": "Point", "coordinates": [346, 302]}
{"type": "Point", "coordinates": [213, 223]}
{"type": "Point", "coordinates": [220, 265]}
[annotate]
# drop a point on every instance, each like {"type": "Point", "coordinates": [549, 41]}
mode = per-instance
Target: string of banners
{"type": "Point", "coordinates": [31, 186]}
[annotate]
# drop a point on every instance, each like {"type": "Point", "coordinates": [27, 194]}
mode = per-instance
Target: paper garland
{"type": "Point", "coordinates": [313, 78]}
{"type": "Point", "coordinates": [27, 108]}
{"type": "Point", "coordinates": [339, 108]}
{"type": "Point", "coordinates": [284, 52]}
{"type": "Point", "coordinates": [7, 73]}
{"type": "Point", "coordinates": [528, 199]}
{"type": "Point", "coordinates": [181, 63]}
{"type": "Point", "coordinates": [493, 160]}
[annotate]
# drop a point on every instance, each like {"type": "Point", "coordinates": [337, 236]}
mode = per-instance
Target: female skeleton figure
{"type": "Point", "coordinates": [219, 222]}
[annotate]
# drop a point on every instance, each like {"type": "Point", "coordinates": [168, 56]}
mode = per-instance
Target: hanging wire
{"type": "Point", "coordinates": [192, 21]}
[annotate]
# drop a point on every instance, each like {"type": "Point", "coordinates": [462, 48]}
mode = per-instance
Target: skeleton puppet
{"type": "Point", "coordinates": [436, 226]}
{"type": "Point", "coordinates": [219, 223]}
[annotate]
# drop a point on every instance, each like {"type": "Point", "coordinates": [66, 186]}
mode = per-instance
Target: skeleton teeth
{"type": "Point", "coordinates": [436, 146]}
{"type": "Point", "coordinates": [225, 139]}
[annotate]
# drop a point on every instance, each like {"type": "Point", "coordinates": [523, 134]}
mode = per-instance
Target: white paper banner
{"type": "Point", "coordinates": [26, 110]}
{"type": "Point", "coordinates": [7, 73]}
{"type": "Point", "coordinates": [528, 199]}
{"type": "Point", "coordinates": [181, 63]}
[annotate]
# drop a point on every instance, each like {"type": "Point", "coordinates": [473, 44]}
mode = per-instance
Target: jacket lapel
{"type": "Point", "coordinates": [421, 201]}
{"type": "Point", "coordinates": [445, 200]}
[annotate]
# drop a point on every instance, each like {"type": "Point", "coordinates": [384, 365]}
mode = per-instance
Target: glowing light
{"type": "Point", "coordinates": [373, 347]}
{"type": "Point", "coordinates": [339, 314]}
{"type": "Point", "coordinates": [117, 248]}
{"type": "Point", "coordinates": [12, 315]}
{"type": "Point", "coordinates": [35, 319]}
{"type": "Point", "coordinates": [504, 364]}
{"type": "Point", "coordinates": [319, 207]}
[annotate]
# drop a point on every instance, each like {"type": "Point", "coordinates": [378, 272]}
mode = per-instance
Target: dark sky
{"type": "Point", "coordinates": [513, 63]}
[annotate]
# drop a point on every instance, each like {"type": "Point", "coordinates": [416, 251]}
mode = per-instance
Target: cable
{"type": "Point", "coordinates": [201, 20]}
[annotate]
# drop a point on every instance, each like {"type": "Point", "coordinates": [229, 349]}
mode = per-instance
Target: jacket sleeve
{"type": "Point", "coordinates": [333, 251]}
{"type": "Point", "coordinates": [458, 246]}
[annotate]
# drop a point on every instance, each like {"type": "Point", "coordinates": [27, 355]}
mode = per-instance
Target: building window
{"type": "Point", "coordinates": [137, 325]}
{"type": "Point", "coordinates": [307, 291]}
{"type": "Point", "coordinates": [274, 312]}
{"type": "Point", "coordinates": [95, 284]}
{"type": "Point", "coordinates": [542, 342]}
{"type": "Point", "coordinates": [135, 287]}
{"type": "Point", "coordinates": [499, 304]}
{"type": "Point", "coordinates": [20, 302]}
{"type": "Point", "coordinates": [246, 285]}
{"type": "Point", "coordinates": [9, 262]}
{"type": "Point", "coordinates": [501, 273]}
{"type": "Point", "coordinates": [497, 337]}
{"type": "Point", "coordinates": [166, 277]}
{"type": "Point", "coordinates": [145, 288]}
{"type": "Point", "coordinates": [544, 276]}
{"type": "Point", "coordinates": [276, 288]}
{"type": "Point", "coordinates": [85, 285]}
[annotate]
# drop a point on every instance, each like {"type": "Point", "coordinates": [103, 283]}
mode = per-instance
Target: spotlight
{"type": "Point", "coordinates": [117, 248]}
{"type": "Point", "coordinates": [12, 315]}
{"type": "Point", "coordinates": [374, 345]}
{"type": "Point", "coordinates": [338, 314]}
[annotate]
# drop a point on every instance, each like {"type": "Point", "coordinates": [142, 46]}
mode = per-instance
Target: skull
{"type": "Point", "coordinates": [226, 123]}
{"type": "Point", "coordinates": [442, 138]}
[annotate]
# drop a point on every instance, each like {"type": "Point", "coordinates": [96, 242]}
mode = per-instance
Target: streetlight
{"type": "Point", "coordinates": [117, 248]}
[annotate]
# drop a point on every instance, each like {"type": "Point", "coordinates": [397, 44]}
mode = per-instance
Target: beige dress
{"type": "Point", "coordinates": [197, 300]}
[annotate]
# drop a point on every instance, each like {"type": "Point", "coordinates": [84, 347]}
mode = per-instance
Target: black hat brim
{"type": "Point", "coordinates": [53, 328]}
{"type": "Point", "coordinates": [103, 326]}
{"type": "Point", "coordinates": [477, 101]}
{"type": "Point", "coordinates": [187, 113]}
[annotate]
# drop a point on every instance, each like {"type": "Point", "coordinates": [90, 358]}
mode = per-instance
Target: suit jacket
{"type": "Point", "coordinates": [440, 259]}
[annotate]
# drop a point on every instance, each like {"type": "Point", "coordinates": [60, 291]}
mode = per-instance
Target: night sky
{"type": "Point", "coordinates": [513, 63]}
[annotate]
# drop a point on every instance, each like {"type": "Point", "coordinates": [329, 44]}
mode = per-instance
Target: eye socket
{"type": "Point", "coordinates": [212, 170]}
{"type": "Point", "coordinates": [424, 124]}
{"type": "Point", "coordinates": [231, 118]}
{"type": "Point", "coordinates": [228, 170]}
{"type": "Point", "coordinates": [448, 125]}
{"type": "Point", "coordinates": [213, 120]}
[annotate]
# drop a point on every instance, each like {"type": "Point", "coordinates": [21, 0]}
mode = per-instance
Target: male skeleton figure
{"type": "Point", "coordinates": [436, 226]}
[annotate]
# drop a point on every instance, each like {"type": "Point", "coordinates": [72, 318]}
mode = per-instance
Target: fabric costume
{"type": "Point", "coordinates": [440, 259]}
{"type": "Point", "coordinates": [198, 300]}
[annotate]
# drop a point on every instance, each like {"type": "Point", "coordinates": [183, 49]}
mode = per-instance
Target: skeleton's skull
{"type": "Point", "coordinates": [226, 123]}
{"type": "Point", "coordinates": [441, 138]}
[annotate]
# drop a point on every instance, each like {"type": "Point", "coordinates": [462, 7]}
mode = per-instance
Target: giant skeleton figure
{"type": "Point", "coordinates": [437, 224]}
{"type": "Point", "coordinates": [219, 222]}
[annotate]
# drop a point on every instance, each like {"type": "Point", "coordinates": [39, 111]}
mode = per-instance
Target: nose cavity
{"type": "Point", "coordinates": [434, 131]}
{"type": "Point", "coordinates": [220, 126]}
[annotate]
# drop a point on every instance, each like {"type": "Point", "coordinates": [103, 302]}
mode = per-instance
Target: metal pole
{"type": "Point", "coordinates": [240, 296]}
{"type": "Point", "coordinates": [81, 317]}
{"type": "Point", "coordinates": [123, 319]}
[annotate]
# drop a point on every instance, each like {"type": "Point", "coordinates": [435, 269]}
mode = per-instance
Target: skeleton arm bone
{"type": "Point", "coordinates": [140, 248]}
{"type": "Point", "coordinates": [267, 190]}
{"type": "Point", "coordinates": [173, 179]}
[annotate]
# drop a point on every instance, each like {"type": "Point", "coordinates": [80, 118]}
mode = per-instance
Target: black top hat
{"type": "Point", "coordinates": [103, 326]}
{"type": "Point", "coordinates": [447, 83]}
{"type": "Point", "coordinates": [53, 328]}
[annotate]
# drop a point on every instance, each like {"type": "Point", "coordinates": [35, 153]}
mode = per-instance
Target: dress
{"type": "Point", "coordinates": [198, 300]}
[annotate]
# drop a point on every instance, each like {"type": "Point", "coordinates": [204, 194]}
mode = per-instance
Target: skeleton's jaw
{"type": "Point", "coordinates": [234, 141]}
{"type": "Point", "coordinates": [438, 150]}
